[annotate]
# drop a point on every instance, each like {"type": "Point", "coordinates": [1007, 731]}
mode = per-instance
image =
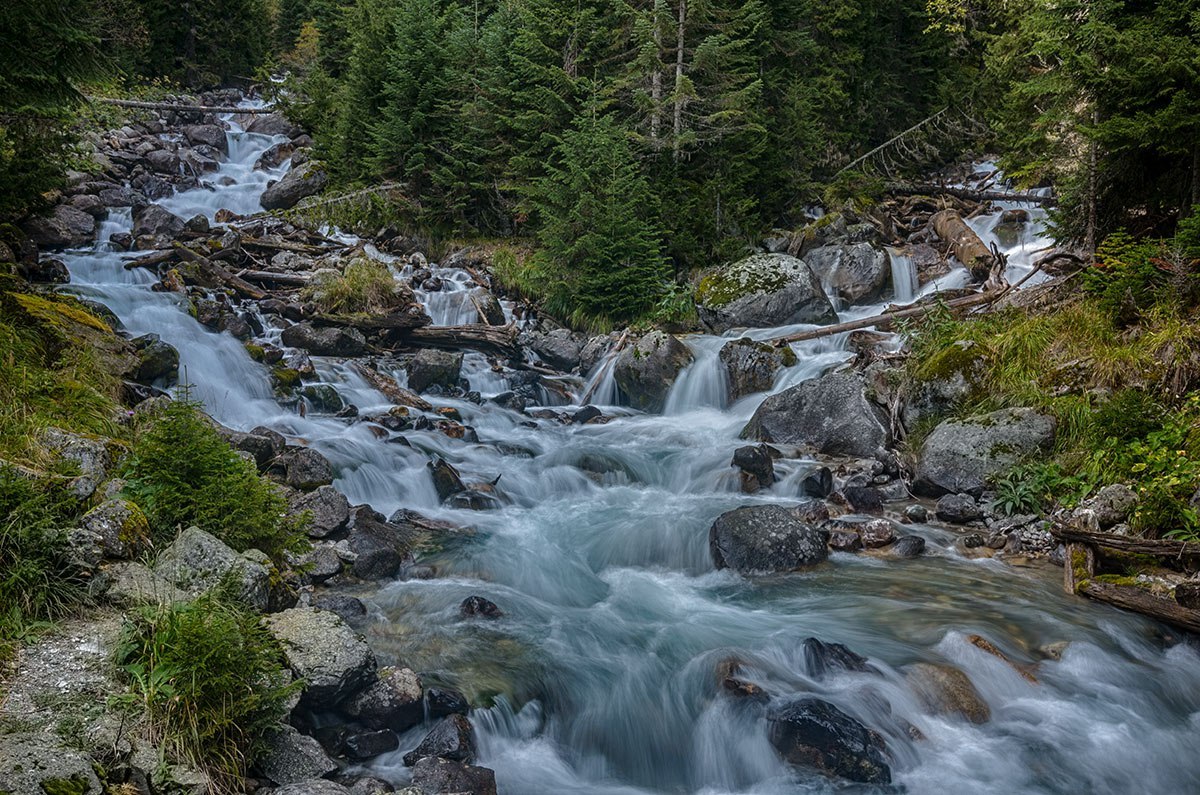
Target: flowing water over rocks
{"type": "Point", "coordinates": [619, 659]}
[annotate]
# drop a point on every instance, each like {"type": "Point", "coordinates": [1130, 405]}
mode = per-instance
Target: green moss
{"type": "Point", "coordinates": [953, 360]}
{"type": "Point", "coordinates": [788, 356]}
{"type": "Point", "coordinates": [1129, 580]}
{"type": "Point", "coordinates": [56, 313]}
{"type": "Point", "coordinates": [75, 785]}
{"type": "Point", "coordinates": [285, 377]}
{"type": "Point", "coordinates": [725, 285]}
{"type": "Point", "coordinates": [136, 527]}
{"type": "Point", "coordinates": [256, 351]}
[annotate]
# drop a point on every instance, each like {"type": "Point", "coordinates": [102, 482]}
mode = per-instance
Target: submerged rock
{"type": "Point", "coordinates": [761, 291]}
{"type": "Point", "coordinates": [646, 370]}
{"type": "Point", "coordinates": [831, 414]}
{"type": "Point", "coordinates": [946, 690]}
{"type": "Point", "coordinates": [814, 733]}
{"type": "Point", "coordinates": [451, 738]}
{"type": "Point", "coordinates": [762, 539]}
{"type": "Point", "coordinates": [823, 658]}
{"type": "Point", "coordinates": [960, 455]}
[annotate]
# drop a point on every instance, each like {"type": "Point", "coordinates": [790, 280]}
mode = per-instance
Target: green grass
{"type": "Point", "coordinates": [365, 286]}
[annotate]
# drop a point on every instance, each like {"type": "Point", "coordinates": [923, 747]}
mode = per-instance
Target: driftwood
{"type": "Point", "coordinates": [886, 320]}
{"type": "Point", "coordinates": [152, 260]}
{"type": "Point", "coordinates": [390, 389]}
{"type": "Point", "coordinates": [220, 274]}
{"type": "Point", "coordinates": [902, 189]}
{"type": "Point", "coordinates": [478, 336]}
{"type": "Point", "coordinates": [1159, 547]}
{"type": "Point", "coordinates": [1079, 566]}
{"type": "Point", "coordinates": [270, 277]}
{"type": "Point", "coordinates": [299, 248]}
{"type": "Point", "coordinates": [411, 317]}
{"type": "Point", "coordinates": [964, 243]}
{"type": "Point", "coordinates": [1139, 600]}
{"type": "Point", "coordinates": [132, 103]}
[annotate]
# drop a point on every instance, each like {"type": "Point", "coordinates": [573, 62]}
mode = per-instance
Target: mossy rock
{"type": "Point", "coordinates": [762, 291]}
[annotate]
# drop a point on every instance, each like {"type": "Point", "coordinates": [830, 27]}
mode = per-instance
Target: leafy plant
{"type": "Point", "coordinates": [211, 680]}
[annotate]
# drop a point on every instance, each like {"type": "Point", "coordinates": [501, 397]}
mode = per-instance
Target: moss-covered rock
{"type": "Point", "coordinates": [761, 291]}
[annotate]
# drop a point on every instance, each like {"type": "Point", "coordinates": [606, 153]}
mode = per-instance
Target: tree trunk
{"type": "Point", "coordinates": [964, 243]}
{"type": "Point", "coordinates": [677, 124]}
{"type": "Point", "coordinates": [656, 79]}
{"type": "Point", "coordinates": [477, 336]}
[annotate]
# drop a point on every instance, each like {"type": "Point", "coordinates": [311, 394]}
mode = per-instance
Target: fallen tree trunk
{"type": "Point", "coordinates": [392, 390]}
{"type": "Point", "coordinates": [886, 320]}
{"type": "Point", "coordinates": [219, 274]}
{"type": "Point", "coordinates": [902, 189]}
{"type": "Point", "coordinates": [285, 279]}
{"type": "Point", "coordinates": [299, 248]}
{"type": "Point", "coordinates": [477, 336]}
{"type": "Point", "coordinates": [1139, 600]}
{"type": "Point", "coordinates": [152, 260]}
{"type": "Point", "coordinates": [1159, 547]}
{"type": "Point", "coordinates": [411, 317]}
{"type": "Point", "coordinates": [133, 103]}
{"type": "Point", "coordinates": [964, 243]}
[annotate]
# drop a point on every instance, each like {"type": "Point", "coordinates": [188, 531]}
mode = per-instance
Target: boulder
{"type": "Point", "coordinates": [751, 366]}
{"type": "Point", "coordinates": [763, 539]}
{"type": "Point", "coordinates": [822, 659]}
{"type": "Point", "coordinates": [845, 541]}
{"type": "Point", "coordinates": [272, 124]}
{"type": "Point", "coordinates": [951, 377]}
{"type": "Point", "coordinates": [758, 469]}
{"type": "Point", "coordinates": [863, 499]}
{"type": "Point", "coordinates": [761, 291]}
{"type": "Point", "coordinates": [490, 310]}
{"type": "Point", "coordinates": [945, 690]}
{"type": "Point", "coordinates": [275, 156]}
{"type": "Point", "coordinates": [198, 562]}
{"type": "Point", "coordinates": [65, 227]}
{"type": "Point", "coordinates": [324, 340]}
{"type": "Point", "coordinates": [379, 547]}
{"type": "Point", "coordinates": [446, 480]}
{"type": "Point", "coordinates": [854, 272]}
{"type": "Point", "coordinates": [646, 370]}
{"type": "Point", "coordinates": [958, 509]}
{"type": "Point", "coordinates": [327, 508]}
{"type": "Point", "coordinates": [90, 455]}
{"type": "Point", "coordinates": [436, 776]}
{"type": "Point", "coordinates": [961, 455]}
{"type": "Point", "coordinates": [1112, 505]}
{"type": "Point", "coordinates": [432, 367]}
{"type": "Point", "coordinates": [319, 564]}
{"type": "Point", "coordinates": [831, 414]}
{"type": "Point", "coordinates": [41, 764]}
{"type": "Point", "coordinates": [163, 161]}
{"type": "Point", "coordinates": [313, 786]}
{"type": "Point", "coordinates": [560, 348]}
{"type": "Point", "coordinates": [120, 528]}
{"type": "Point", "coordinates": [302, 181]}
{"type": "Point", "coordinates": [451, 738]}
{"type": "Point", "coordinates": [302, 468]}
{"type": "Point", "coordinates": [876, 533]}
{"type": "Point", "coordinates": [156, 221]}
{"type": "Point", "coordinates": [369, 744]}
{"type": "Point", "coordinates": [157, 360]}
{"type": "Point", "coordinates": [817, 482]}
{"type": "Point", "coordinates": [351, 609]}
{"type": "Point", "coordinates": [208, 135]}
{"type": "Point", "coordinates": [321, 649]}
{"type": "Point", "coordinates": [393, 701]}
{"type": "Point", "coordinates": [293, 758]}
{"type": "Point", "coordinates": [440, 702]}
{"type": "Point", "coordinates": [130, 584]}
{"type": "Point", "coordinates": [908, 547]}
{"type": "Point", "coordinates": [477, 606]}
{"type": "Point", "coordinates": [262, 443]}
{"type": "Point", "coordinates": [812, 733]}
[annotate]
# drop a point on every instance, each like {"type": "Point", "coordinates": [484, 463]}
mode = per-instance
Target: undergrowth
{"type": "Point", "coordinates": [366, 285]}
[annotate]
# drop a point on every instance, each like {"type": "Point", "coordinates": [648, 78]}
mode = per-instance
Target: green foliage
{"type": "Point", "coordinates": [182, 473]}
{"type": "Point", "coordinates": [1035, 487]}
{"type": "Point", "coordinates": [201, 43]}
{"type": "Point", "coordinates": [211, 680]}
{"type": "Point", "coordinates": [366, 285]}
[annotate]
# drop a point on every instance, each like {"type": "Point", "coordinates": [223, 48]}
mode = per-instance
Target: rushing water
{"type": "Point", "coordinates": [602, 671]}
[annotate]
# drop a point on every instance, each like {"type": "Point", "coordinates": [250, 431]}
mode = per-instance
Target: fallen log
{"type": "Point", "coordinates": [477, 336]}
{"type": "Point", "coordinates": [299, 248]}
{"type": "Point", "coordinates": [1139, 600]}
{"type": "Point", "coordinates": [411, 317]}
{"type": "Point", "coordinates": [134, 103]}
{"type": "Point", "coordinates": [886, 320]}
{"type": "Point", "coordinates": [392, 390]}
{"type": "Point", "coordinates": [151, 260]}
{"type": "Point", "coordinates": [903, 189]}
{"type": "Point", "coordinates": [219, 274]}
{"type": "Point", "coordinates": [284, 279]}
{"type": "Point", "coordinates": [964, 243]}
{"type": "Point", "coordinates": [1159, 547]}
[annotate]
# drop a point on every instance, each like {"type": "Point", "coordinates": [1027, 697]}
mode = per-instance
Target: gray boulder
{"type": "Point", "coordinates": [302, 468]}
{"type": "Point", "coordinates": [207, 134]}
{"type": "Point", "coordinates": [432, 367]}
{"type": "Point", "coordinates": [324, 340]}
{"type": "Point", "coordinates": [762, 539]}
{"type": "Point", "coordinates": [120, 527]}
{"type": "Point", "coordinates": [958, 509]}
{"type": "Point", "coordinates": [761, 291]}
{"type": "Point", "coordinates": [89, 454]}
{"type": "Point", "coordinates": [951, 377]}
{"type": "Point", "coordinates": [163, 161]}
{"type": "Point", "coordinates": [831, 414]}
{"type": "Point", "coordinates": [130, 584]}
{"type": "Point", "coordinates": [436, 776]}
{"type": "Point", "coordinates": [812, 733]}
{"type": "Point", "coordinates": [379, 547]}
{"type": "Point", "coordinates": [314, 786]}
{"type": "Point", "coordinates": [559, 348]}
{"type": "Point", "coordinates": [854, 272]}
{"type": "Point", "coordinates": [198, 562]}
{"type": "Point", "coordinates": [751, 366]}
{"type": "Point", "coordinates": [273, 124]}
{"type": "Point", "coordinates": [156, 221]}
{"type": "Point", "coordinates": [41, 764]}
{"type": "Point", "coordinates": [327, 508]}
{"type": "Point", "coordinates": [333, 660]}
{"type": "Point", "coordinates": [646, 370]}
{"type": "Point", "coordinates": [451, 738]}
{"type": "Point", "coordinates": [393, 701]}
{"type": "Point", "coordinates": [64, 227]}
{"type": "Point", "coordinates": [490, 310]}
{"type": "Point", "coordinates": [960, 455]}
{"type": "Point", "coordinates": [1112, 505]}
{"type": "Point", "coordinates": [293, 758]}
{"type": "Point", "coordinates": [302, 181]}
{"type": "Point", "coordinates": [157, 360]}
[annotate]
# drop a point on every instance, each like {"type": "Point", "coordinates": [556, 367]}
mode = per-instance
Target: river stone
{"type": "Point", "coordinates": [207, 134]}
{"type": "Point", "coordinates": [198, 562]}
{"type": "Point", "coordinates": [831, 414]}
{"type": "Point", "coordinates": [751, 366]}
{"type": "Point", "coordinates": [350, 608]}
{"type": "Point", "coordinates": [89, 455]}
{"type": "Point", "coordinates": [65, 227]}
{"type": "Point", "coordinates": [41, 764]}
{"type": "Point", "coordinates": [393, 701]}
{"type": "Point", "coordinates": [821, 658]}
{"type": "Point", "coordinates": [157, 360]}
{"type": "Point", "coordinates": [876, 533]}
{"type": "Point", "coordinates": [321, 649]}
{"type": "Point", "coordinates": [442, 701]}
{"type": "Point", "coordinates": [446, 480]}
{"type": "Point", "coordinates": [489, 308]}
{"type": "Point", "coordinates": [451, 738]}
{"type": "Point", "coordinates": [560, 348]}
{"type": "Point", "coordinates": [274, 156]}
{"type": "Point", "coordinates": [646, 370]}
{"type": "Point", "coordinates": [908, 547]}
{"type": "Point", "coordinates": [817, 482]}
{"type": "Point", "coordinates": [120, 528]}
{"type": "Point", "coordinates": [432, 367]}
{"type": "Point", "coordinates": [163, 161]}
{"type": "Point", "coordinates": [272, 124]}
{"type": "Point", "coordinates": [436, 776]}
{"type": "Point", "coordinates": [302, 181]}
{"type": "Point", "coordinates": [324, 340]}
{"type": "Point", "coordinates": [302, 468]}
{"type": "Point", "coordinates": [854, 272]}
{"type": "Point", "coordinates": [156, 221]}
{"type": "Point", "coordinates": [312, 786]}
{"type": "Point", "coordinates": [131, 584]}
{"type": "Point", "coordinates": [958, 509]}
{"type": "Point", "coordinates": [327, 508]}
{"type": "Point", "coordinates": [762, 539]}
{"type": "Point", "coordinates": [476, 606]}
{"type": "Point", "coordinates": [813, 733]}
{"type": "Point", "coordinates": [961, 455]}
{"type": "Point", "coordinates": [762, 291]}
{"type": "Point", "coordinates": [292, 758]}
{"type": "Point", "coordinates": [755, 462]}
{"type": "Point", "coordinates": [361, 746]}
{"type": "Point", "coordinates": [946, 690]}
{"type": "Point", "coordinates": [379, 547]}
{"type": "Point", "coordinates": [845, 541]}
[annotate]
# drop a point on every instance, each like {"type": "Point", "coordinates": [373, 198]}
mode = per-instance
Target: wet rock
{"type": "Point", "coordinates": [440, 702]}
{"type": "Point", "coordinates": [321, 649]}
{"type": "Point", "coordinates": [1187, 594]}
{"type": "Point", "coordinates": [822, 659]}
{"type": "Point", "coordinates": [90, 205]}
{"type": "Point", "coordinates": [66, 226]}
{"type": "Point", "coordinates": [273, 124]}
{"type": "Point", "coordinates": [319, 564]}
{"type": "Point", "coordinates": [436, 776]}
{"type": "Point", "coordinates": [877, 533]}
{"type": "Point", "coordinates": [292, 758]}
{"type": "Point", "coordinates": [854, 272]}
{"type": "Point", "coordinates": [586, 414]}
{"type": "Point", "coordinates": [813, 733]}
{"type": "Point", "coordinates": [198, 562]}
{"type": "Point", "coordinates": [946, 690]}
{"type": "Point", "coordinates": [949, 378]}
{"type": "Point", "coordinates": [751, 366]}
{"type": "Point", "coordinates": [163, 161]}
{"type": "Point", "coordinates": [845, 541]}
{"type": "Point", "coordinates": [327, 508]}
{"type": "Point", "coordinates": [274, 156]}
{"type": "Point", "coordinates": [302, 468]}
{"type": "Point", "coordinates": [157, 360]}
{"type": "Point", "coordinates": [831, 414]}
{"type": "Point", "coordinates": [349, 608]}
{"type": "Point", "coordinates": [863, 499]}
{"type": "Point", "coordinates": [156, 221]}
{"type": "Point", "coordinates": [262, 443]}
{"type": "Point", "coordinates": [646, 370]}
{"type": "Point", "coordinates": [489, 308]}
{"type": "Point", "coordinates": [960, 455]}
{"type": "Point", "coordinates": [313, 786]}
{"type": "Point", "coordinates": [757, 467]}
{"type": "Point", "coordinates": [817, 483]}
{"type": "Point", "coordinates": [380, 547]}
{"type": "Point", "coordinates": [40, 764]}
{"type": "Point", "coordinates": [446, 480]}
{"type": "Point", "coordinates": [302, 181]}
{"type": "Point", "coordinates": [908, 547]}
{"type": "Point", "coordinates": [208, 135]}
{"type": "Point", "coordinates": [361, 746]}
{"type": "Point", "coordinates": [958, 509]}
{"type": "Point", "coordinates": [451, 738]}
{"type": "Point", "coordinates": [763, 539]}
{"type": "Point", "coordinates": [431, 367]}
{"type": "Point", "coordinates": [762, 291]}
{"type": "Point", "coordinates": [393, 701]}
{"type": "Point", "coordinates": [324, 340]}
{"type": "Point", "coordinates": [593, 352]}
{"type": "Point", "coordinates": [916, 513]}
{"type": "Point", "coordinates": [477, 606]}
{"type": "Point", "coordinates": [559, 348]}
{"type": "Point", "coordinates": [119, 527]}
{"type": "Point", "coordinates": [366, 785]}
{"type": "Point", "coordinates": [44, 271]}
{"type": "Point", "coordinates": [323, 398]}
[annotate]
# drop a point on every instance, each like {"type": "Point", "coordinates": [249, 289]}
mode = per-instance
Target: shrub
{"type": "Point", "coordinates": [211, 680]}
{"type": "Point", "coordinates": [182, 473]}
{"type": "Point", "coordinates": [366, 285]}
